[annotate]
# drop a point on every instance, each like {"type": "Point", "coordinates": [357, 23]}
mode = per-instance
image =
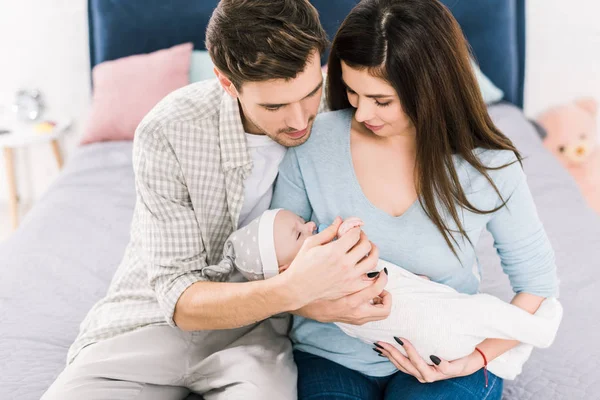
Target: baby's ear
{"type": "Point", "coordinates": [283, 267]}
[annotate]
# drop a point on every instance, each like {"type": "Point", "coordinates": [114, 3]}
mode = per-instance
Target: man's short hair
{"type": "Point", "coordinates": [259, 40]}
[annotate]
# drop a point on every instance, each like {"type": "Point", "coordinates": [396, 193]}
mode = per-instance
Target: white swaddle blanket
{"type": "Point", "coordinates": [440, 321]}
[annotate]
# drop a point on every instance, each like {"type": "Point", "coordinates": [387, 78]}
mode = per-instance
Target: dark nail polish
{"type": "Point", "coordinates": [385, 270]}
{"type": "Point", "coordinates": [435, 360]}
{"type": "Point", "coordinates": [400, 342]}
{"type": "Point", "coordinates": [376, 350]}
{"type": "Point", "coordinates": [378, 345]}
{"type": "Point", "coordinates": [373, 274]}
{"type": "Point", "coordinates": [381, 355]}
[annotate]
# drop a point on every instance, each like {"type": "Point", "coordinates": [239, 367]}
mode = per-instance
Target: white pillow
{"type": "Point", "coordinates": [491, 93]}
{"type": "Point", "coordinates": [201, 67]}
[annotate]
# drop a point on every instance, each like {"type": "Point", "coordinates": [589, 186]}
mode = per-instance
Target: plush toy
{"type": "Point", "coordinates": [572, 136]}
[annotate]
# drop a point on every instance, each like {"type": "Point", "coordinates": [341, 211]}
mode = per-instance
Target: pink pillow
{"type": "Point", "coordinates": [125, 90]}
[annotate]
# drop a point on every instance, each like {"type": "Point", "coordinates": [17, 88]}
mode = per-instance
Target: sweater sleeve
{"type": "Point", "coordinates": [519, 236]}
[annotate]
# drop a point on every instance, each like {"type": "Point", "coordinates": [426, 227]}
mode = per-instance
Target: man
{"type": "Point", "coordinates": [205, 161]}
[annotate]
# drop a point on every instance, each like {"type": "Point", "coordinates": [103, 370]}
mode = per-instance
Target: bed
{"type": "Point", "coordinates": [62, 258]}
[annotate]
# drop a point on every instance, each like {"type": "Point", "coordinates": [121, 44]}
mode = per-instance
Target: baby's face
{"type": "Point", "coordinates": [290, 231]}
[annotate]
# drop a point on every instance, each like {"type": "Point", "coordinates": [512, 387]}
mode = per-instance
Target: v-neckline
{"type": "Point", "coordinates": [356, 183]}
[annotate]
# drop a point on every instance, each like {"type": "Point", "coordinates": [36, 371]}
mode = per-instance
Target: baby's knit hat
{"type": "Point", "coordinates": [252, 248]}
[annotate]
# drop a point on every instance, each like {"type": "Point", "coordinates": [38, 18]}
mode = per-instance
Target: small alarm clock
{"type": "Point", "coordinates": [28, 105]}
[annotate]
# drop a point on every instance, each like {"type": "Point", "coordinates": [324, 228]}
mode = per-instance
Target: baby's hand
{"type": "Point", "coordinates": [348, 224]}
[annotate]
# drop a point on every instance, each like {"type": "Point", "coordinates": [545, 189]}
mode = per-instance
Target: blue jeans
{"type": "Point", "coordinates": [319, 378]}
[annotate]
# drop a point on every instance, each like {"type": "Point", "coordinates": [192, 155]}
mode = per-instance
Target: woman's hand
{"type": "Point", "coordinates": [328, 270]}
{"type": "Point", "coordinates": [415, 365]}
{"type": "Point", "coordinates": [367, 305]}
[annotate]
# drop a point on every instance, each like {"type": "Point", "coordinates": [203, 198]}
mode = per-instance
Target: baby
{"type": "Point", "coordinates": [435, 318]}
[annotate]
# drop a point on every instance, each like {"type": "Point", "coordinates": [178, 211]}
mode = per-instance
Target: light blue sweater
{"type": "Point", "coordinates": [317, 182]}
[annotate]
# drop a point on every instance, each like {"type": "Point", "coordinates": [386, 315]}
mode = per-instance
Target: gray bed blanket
{"type": "Point", "coordinates": [59, 263]}
{"type": "Point", "coordinates": [61, 260]}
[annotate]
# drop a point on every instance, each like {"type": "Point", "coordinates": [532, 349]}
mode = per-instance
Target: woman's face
{"type": "Point", "coordinates": [376, 102]}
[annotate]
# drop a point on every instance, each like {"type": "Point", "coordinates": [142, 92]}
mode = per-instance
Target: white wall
{"type": "Point", "coordinates": [563, 60]}
{"type": "Point", "coordinates": [43, 44]}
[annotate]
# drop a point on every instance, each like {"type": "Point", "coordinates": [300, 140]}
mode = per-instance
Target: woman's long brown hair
{"type": "Point", "coordinates": [419, 48]}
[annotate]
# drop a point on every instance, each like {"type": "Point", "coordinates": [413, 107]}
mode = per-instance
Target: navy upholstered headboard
{"type": "Point", "coordinates": [495, 29]}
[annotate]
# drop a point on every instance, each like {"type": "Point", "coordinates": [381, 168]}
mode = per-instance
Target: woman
{"type": "Point", "coordinates": [412, 151]}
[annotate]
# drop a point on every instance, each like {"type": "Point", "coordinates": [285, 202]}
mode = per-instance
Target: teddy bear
{"type": "Point", "coordinates": [572, 136]}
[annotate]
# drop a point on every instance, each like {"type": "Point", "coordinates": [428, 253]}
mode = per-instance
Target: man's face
{"type": "Point", "coordinates": [283, 110]}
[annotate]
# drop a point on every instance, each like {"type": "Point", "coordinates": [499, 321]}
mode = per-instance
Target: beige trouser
{"type": "Point", "coordinates": [160, 362]}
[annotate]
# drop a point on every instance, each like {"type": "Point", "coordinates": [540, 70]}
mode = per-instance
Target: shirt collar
{"type": "Point", "coordinates": [234, 151]}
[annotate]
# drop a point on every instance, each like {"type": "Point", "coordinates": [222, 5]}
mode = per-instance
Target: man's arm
{"type": "Point", "coordinates": [326, 281]}
{"type": "Point", "coordinates": [172, 248]}
{"type": "Point", "coordinates": [167, 230]}
{"type": "Point", "coordinates": [216, 305]}
{"type": "Point", "coordinates": [178, 272]}
{"type": "Point", "coordinates": [227, 305]}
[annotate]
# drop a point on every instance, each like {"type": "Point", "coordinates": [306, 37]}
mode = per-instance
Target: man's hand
{"type": "Point", "coordinates": [326, 270]}
{"type": "Point", "coordinates": [370, 304]}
